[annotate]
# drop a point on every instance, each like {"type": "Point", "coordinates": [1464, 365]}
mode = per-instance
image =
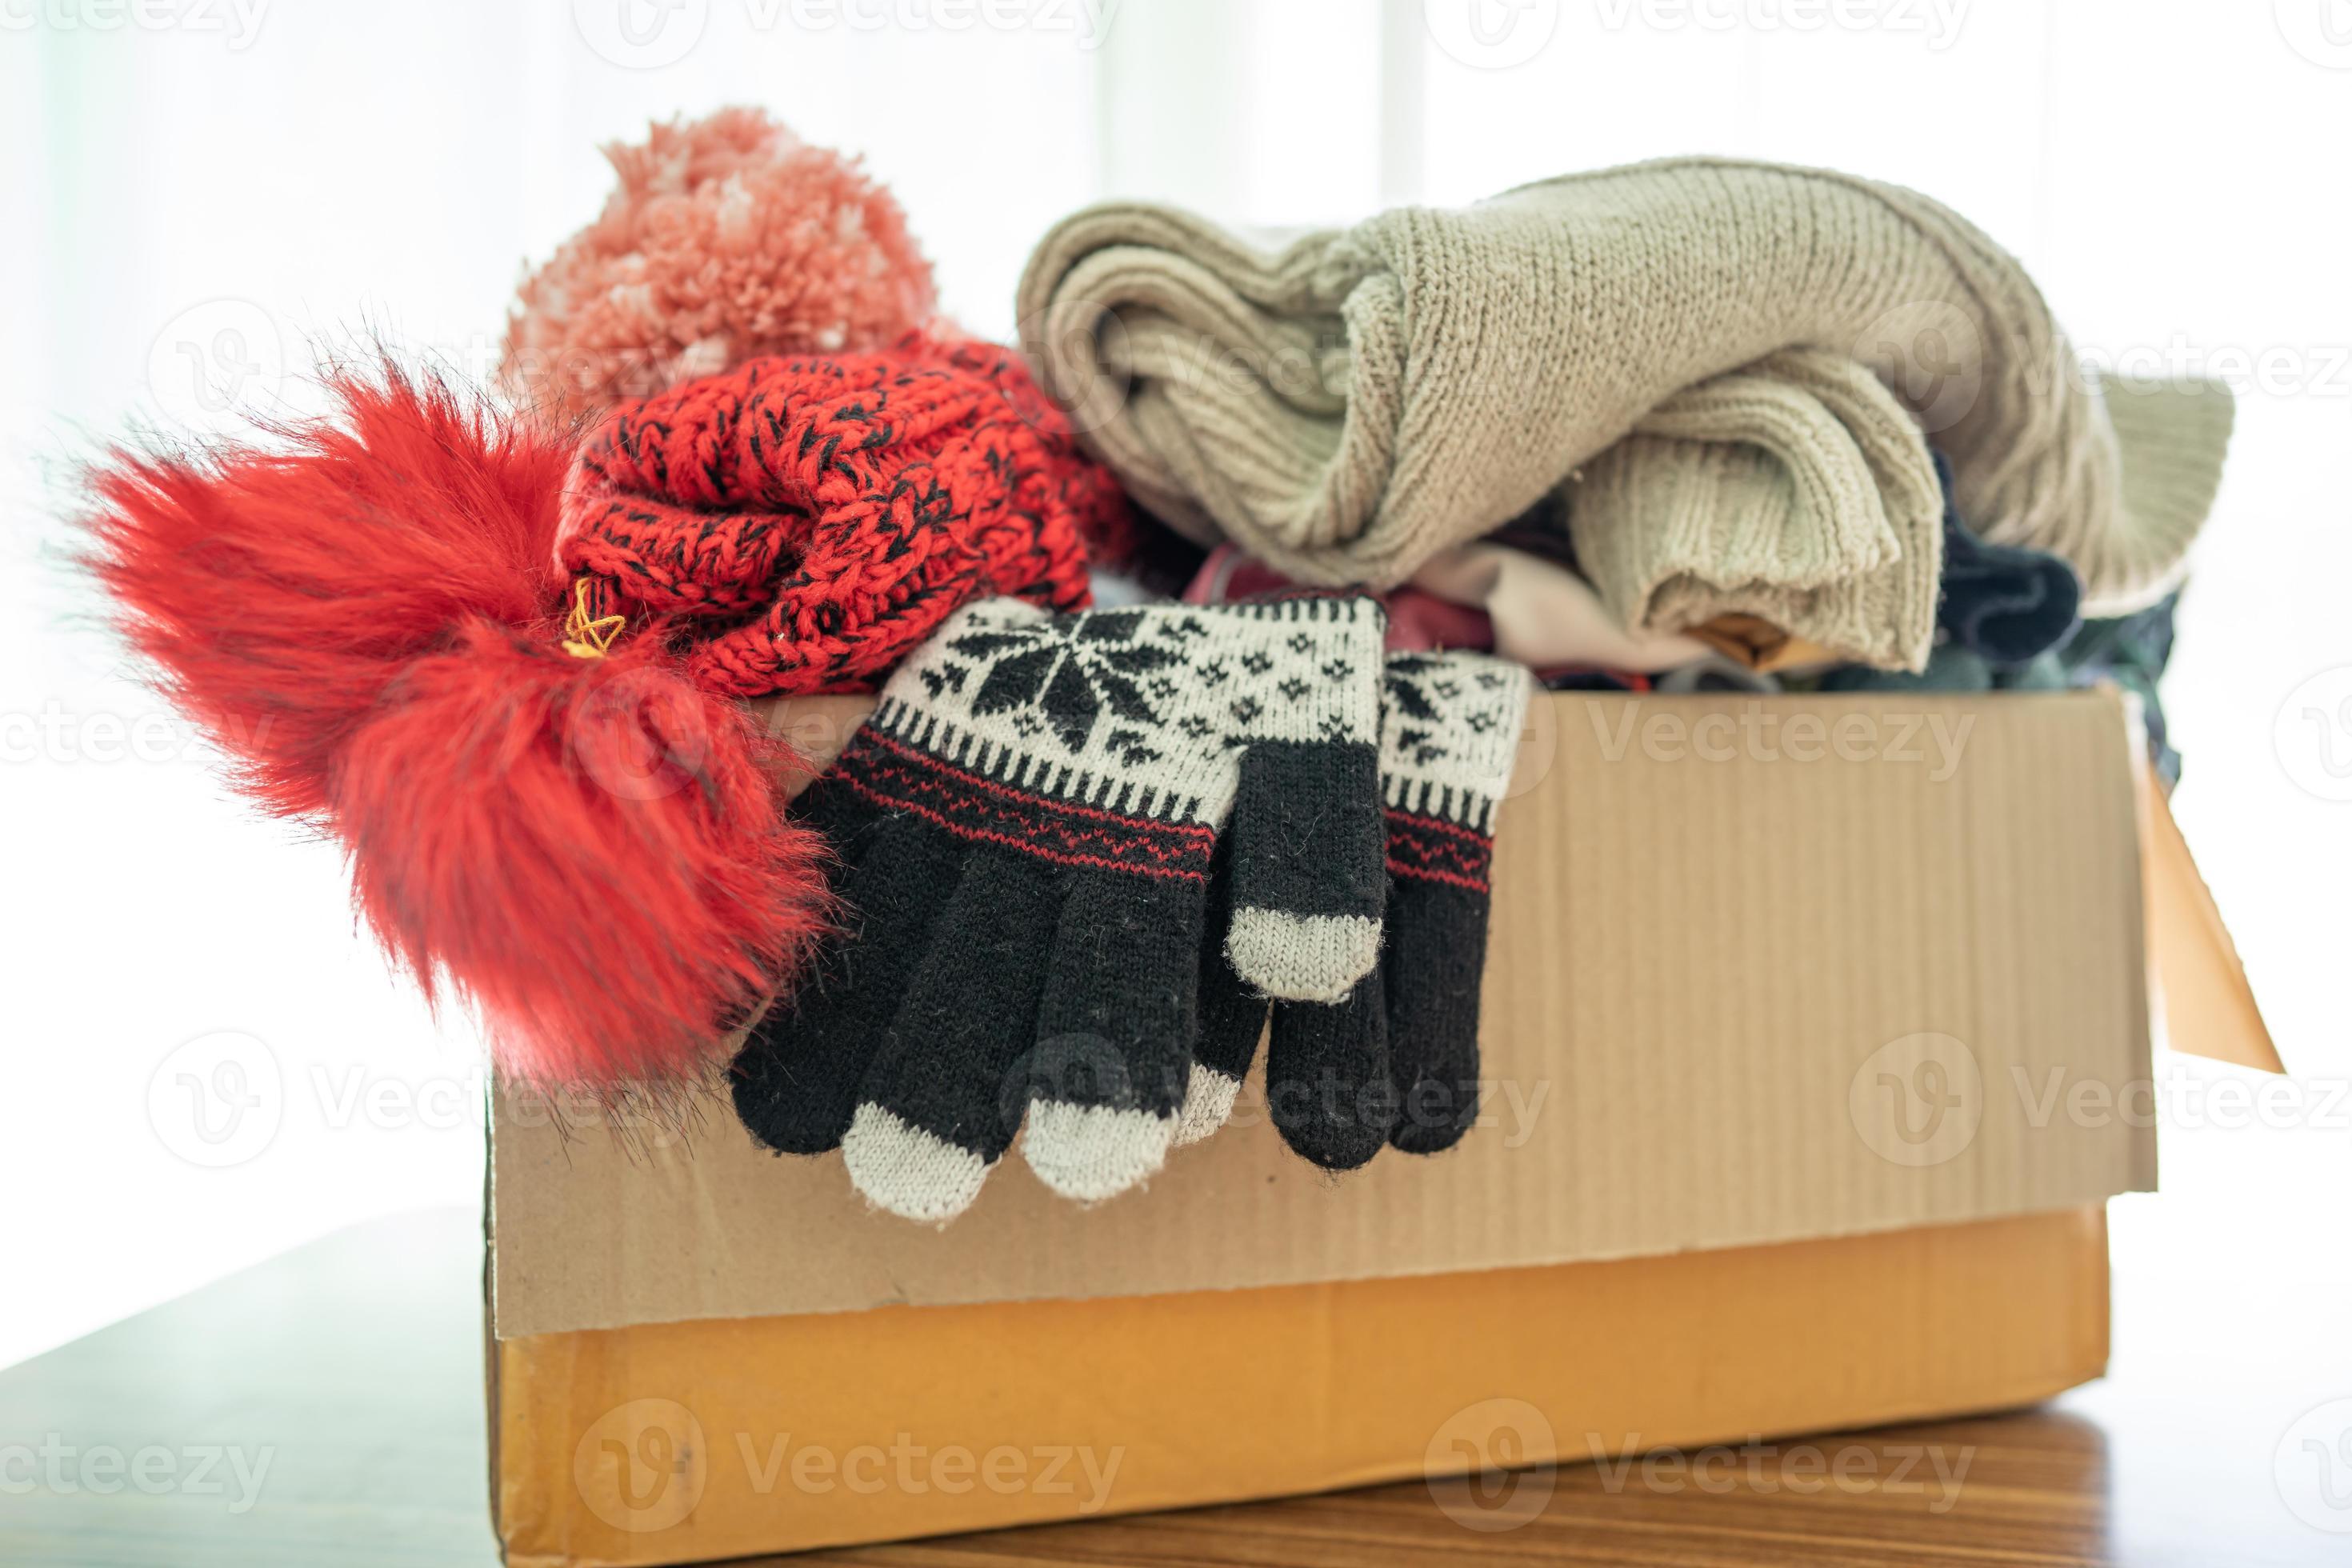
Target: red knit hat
{"type": "Point", "coordinates": [501, 668]}
{"type": "Point", "coordinates": [799, 525]}
{"type": "Point", "coordinates": [551, 799]}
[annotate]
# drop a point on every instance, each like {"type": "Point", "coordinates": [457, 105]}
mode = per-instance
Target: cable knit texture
{"type": "Point", "coordinates": [1366, 397]}
{"type": "Point", "coordinates": [808, 522]}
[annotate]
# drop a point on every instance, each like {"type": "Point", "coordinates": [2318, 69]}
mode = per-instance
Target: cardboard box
{"type": "Point", "coordinates": [1817, 1032]}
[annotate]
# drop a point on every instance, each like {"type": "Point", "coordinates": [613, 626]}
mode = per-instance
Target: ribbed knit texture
{"type": "Point", "coordinates": [1366, 397]}
{"type": "Point", "coordinates": [1026, 826]}
{"type": "Point", "coordinates": [1795, 489]}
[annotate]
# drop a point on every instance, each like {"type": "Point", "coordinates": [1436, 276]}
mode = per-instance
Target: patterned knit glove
{"type": "Point", "coordinates": [1026, 825]}
{"type": "Point", "coordinates": [1397, 1060]}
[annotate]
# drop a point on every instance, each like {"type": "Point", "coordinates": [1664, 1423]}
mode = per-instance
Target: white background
{"type": "Point", "coordinates": [188, 179]}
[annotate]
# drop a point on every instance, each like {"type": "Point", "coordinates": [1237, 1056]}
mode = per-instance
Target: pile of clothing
{"type": "Point", "coordinates": [2006, 618]}
{"type": "Point", "coordinates": [1670, 427]}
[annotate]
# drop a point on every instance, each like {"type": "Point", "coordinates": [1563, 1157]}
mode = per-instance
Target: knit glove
{"type": "Point", "coordinates": [1026, 826]}
{"type": "Point", "coordinates": [1396, 1061]}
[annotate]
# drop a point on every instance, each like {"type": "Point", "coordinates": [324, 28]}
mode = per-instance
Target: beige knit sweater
{"type": "Point", "coordinates": [1367, 396]}
{"type": "Point", "coordinates": [1795, 488]}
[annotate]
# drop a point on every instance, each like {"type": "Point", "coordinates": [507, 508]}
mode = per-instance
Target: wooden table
{"type": "Point", "coordinates": [326, 1408]}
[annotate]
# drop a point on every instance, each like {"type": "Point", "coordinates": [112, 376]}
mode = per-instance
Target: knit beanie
{"type": "Point", "coordinates": [503, 670]}
{"type": "Point", "coordinates": [799, 524]}
{"type": "Point", "coordinates": [502, 665]}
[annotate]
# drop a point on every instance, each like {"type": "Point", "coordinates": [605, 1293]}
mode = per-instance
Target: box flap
{"type": "Point", "coordinates": [2207, 1006]}
{"type": "Point", "coordinates": [1761, 969]}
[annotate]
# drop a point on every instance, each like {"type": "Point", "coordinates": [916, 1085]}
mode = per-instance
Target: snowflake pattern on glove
{"type": "Point", "coordinates": [1063, 702]}
{"type": "Point", "coordinates": [1447, 719]}
{"type": "Point", "coordinates": [1059, 675]}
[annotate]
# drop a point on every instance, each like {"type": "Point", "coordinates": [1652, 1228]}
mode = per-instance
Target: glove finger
{"type": "Point", "coordinates": [1435, 962]}
{"type": "Point", "coordinates": [1309, 842]}
{"type": "Point", "coordinates": [796, 1080]}
{"type": "Point", "coordinates": [1231, 1021]}
{"type": "Point", "coordinates": [1326, 1077]}
{"type": "Point", "coordinates": [1449, 735]}
{"type": "Point", "coordinates": [1114, 1031]}
{"type": "Point", "coordinates": [943, 1096]}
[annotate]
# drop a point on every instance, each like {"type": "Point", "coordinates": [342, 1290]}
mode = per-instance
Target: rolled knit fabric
{"type": "Point", "coordinates": [804, 522]}
{"type": "Point", "coordinates": [1366, 397]}
{"type": "Point", "coordinates": [1795, 489]}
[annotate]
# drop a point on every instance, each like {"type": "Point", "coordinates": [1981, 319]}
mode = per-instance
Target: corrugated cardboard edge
{"type": "Point", "coordinates": [2206, 1001]}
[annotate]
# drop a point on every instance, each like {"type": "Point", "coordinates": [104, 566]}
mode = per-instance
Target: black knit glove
{"type": "Point", "coordinates": [1026, 825]}
{"type": "Point", "coordinates": [1397, 1060]}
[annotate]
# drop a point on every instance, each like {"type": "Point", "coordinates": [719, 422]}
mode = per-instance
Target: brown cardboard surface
{"type": "Point", "coordinates": [684, 1442]}
{"type": "Point", "coordinates": [2209, 1007]}
{"type": "Point", "coordinates": [1761, 969]}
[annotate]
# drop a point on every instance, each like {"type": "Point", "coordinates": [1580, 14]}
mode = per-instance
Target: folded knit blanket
{"type": "Point", "coordinates": [1365, 397]}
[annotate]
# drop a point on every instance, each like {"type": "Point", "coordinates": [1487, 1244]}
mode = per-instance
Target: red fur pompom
{"type": "Point", "coordinates": [369, 622]}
